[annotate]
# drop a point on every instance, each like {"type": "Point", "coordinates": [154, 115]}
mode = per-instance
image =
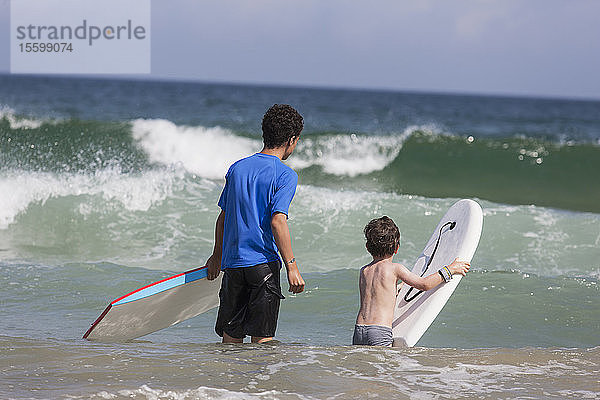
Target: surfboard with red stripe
{"type": "Point", "coordinates": [156, 306]}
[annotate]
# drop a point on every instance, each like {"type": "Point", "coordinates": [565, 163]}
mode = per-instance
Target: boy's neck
{"type": "Point", "coordinates": [278, 152]}
{"type": "Point", "coordinates": [384, 258]}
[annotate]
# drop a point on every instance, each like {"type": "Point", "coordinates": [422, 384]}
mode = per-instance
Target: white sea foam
{"type": "Point", "coordinates": [202, 392]}
{"type": "Point", "coordinates": [318, 200]}
{"type": "Point", "coordinates": [207, 152]}
{"type": "Point", "coordinates": [539, 240]}
{"type": "Point", "coordinates": [458, 378]}
{"type": "Point", "coordinates": [352, 154]}
{"type": "Point", "coordinates": [19, 122]}
{"type": "Point", "coordinates": [133, 192]}
{"type": "Point", "coordinates": [534, 240]}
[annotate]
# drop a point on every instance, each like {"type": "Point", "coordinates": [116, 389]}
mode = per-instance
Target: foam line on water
{"type": "Point", "coordinates": [176, 212]}
{"type": "Point", "coordinates": [202, 392]}
{"type": "Point", "coordinates": [133, 192]}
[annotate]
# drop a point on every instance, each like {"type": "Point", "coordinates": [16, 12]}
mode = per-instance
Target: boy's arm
{"type": "Point", "coordinates": [433, 280]}
{"type": "Point", "coordinates": [213, 263]}
{"type": "Point", "coordinates": [281, 233]}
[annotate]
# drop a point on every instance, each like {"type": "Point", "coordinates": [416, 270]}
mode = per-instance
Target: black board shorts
{"type": "Point", "coordinates": [249, 301]}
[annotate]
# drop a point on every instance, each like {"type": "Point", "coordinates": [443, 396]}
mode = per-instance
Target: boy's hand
{"type": "Point", "coordinates": [459, 267]}
{"type": "Point", "coordinates": [213, 267]}
{"type": "Point", "coordinates": [295, 279]}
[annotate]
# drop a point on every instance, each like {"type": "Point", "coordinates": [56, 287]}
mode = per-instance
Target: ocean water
{"type": "Point", "coordinates": [107, 185]}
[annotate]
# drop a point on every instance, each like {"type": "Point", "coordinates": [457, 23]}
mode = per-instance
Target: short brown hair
{"type": "Point", "coordinates": [383, 237]}
{"type": "Point", "coordinates": [280, 123]}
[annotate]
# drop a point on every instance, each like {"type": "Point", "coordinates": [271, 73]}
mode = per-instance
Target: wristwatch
{"type": "Point", "coordinates": [293, 260]}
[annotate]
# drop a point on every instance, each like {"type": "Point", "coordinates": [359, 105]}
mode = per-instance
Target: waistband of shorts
{"type": "Point", "coordinates": [252, 266]}
{"type": "Point", "coordinates": [374, 326]}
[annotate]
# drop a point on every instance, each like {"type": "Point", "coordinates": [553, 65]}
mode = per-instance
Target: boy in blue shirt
{"type": "Point", "coordinates": [251, 228]}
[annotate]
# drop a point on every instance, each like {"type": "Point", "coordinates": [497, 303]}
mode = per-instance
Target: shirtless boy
{"type": "Point", "coordinates": [378, 279]}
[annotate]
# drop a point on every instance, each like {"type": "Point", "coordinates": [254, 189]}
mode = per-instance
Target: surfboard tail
{"type": "Point", "coordinates": [97, 321]}
{"type": "Point", "coordinates": [156, 306]}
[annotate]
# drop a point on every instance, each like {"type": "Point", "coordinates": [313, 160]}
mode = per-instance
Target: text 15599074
{"type": "Point", "coordinates": [45, 47]}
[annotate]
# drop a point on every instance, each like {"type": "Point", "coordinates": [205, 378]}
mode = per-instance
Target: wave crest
{"type": "Point", "coordinates": [352, 155]}
{"type": "Point", "coordinates": [207, 152]}
{"type": "Point", "coordinates": [133, 192]}
{"type": "Point", "coordinates": [16, 121]}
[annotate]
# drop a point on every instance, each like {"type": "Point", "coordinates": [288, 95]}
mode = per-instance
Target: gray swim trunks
{"type": "Point", "coordinates": [372, 335]}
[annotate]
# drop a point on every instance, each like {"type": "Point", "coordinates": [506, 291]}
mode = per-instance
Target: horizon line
{"type": "Point", "coordinates": [288, 85]}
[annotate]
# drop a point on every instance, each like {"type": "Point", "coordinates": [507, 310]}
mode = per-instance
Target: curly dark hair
{"type": "Point", "coordinates": [383, 237]}
{"type": "Point", "coordinates": [280, 123]}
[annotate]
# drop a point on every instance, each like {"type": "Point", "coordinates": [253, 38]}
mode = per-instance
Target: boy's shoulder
{"type": "Point", "coordinates": [259, 163]}
{"type": "Point", "coordinates": [376, 265]}
{"type": "Point", "coordinates": [260, 159]}
{"type": "Point", "coordinates": [246, 160]}
{"type": "Point", "coordinates": [382, 265]}
{"type": "Point", "coordinates": [246, 165]}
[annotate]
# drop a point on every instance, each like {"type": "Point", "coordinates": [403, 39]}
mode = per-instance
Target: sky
{"type": "Point", "coordinates": [548, 48]}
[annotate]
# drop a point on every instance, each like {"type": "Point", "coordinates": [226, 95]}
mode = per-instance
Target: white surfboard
{"type": "Point", "coordinates": [456, 236]}
{"type": "Point", "coordinates": [156, 306]}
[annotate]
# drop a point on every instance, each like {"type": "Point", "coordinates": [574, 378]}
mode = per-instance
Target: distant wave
{"type": "Point", "coordinates": [17, 121]}
{"type": "Point", "coordinates": [510, 170]}
{"type": "Point", "coordinates": [351, 154]}
{"type": "Point", "coordinates": [422, 159]}
{"type": "Point", "coordinates": [133, 192]}
{"type": "Point", "coordinates": [207, 152]}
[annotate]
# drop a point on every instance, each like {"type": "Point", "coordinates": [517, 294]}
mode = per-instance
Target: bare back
{"type": "Point", "coordinates": [377, 284]}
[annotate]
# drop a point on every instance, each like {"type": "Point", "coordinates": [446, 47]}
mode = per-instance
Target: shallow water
{"type": "Point", "coordinates": [141, 370]}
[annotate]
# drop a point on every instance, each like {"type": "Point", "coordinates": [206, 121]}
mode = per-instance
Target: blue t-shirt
{"type": "Point", "coordinates": [256, 187]}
